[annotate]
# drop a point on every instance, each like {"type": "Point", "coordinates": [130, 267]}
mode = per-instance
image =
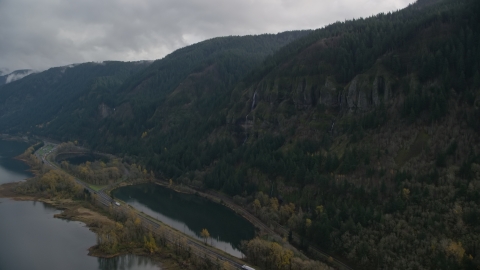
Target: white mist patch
{"type": "Point", "coordinates": [63, 68]}
{"type": "Point", "coordinates": [141, 62]}
{"type": "Point", "coordinates": [17, 75]}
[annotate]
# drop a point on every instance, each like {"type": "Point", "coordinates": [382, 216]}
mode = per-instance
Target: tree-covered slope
{"type": "Point", "coordinates": [184, 88]}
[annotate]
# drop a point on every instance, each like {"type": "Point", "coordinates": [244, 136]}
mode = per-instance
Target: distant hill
{"type": "Point", "coordinates": [35, 100]}
{"type": "Point", "coordinates": [369, 128]}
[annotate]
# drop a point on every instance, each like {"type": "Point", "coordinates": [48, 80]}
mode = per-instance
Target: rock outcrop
{"type": "Point", "coordinates": [361, 95]}
{"type": "Point", "coordinates": [328, 94]}
{"type": "Point", "coordinates": [104, 111]}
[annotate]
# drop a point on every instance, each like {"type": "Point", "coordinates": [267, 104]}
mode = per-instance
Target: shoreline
{"type": "Point", "coordinates": [8, 137]}
{"type": "Point", "coordinates": [72, 210]}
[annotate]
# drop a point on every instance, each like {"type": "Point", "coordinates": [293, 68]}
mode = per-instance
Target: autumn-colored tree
{"type": "Point", "coordinates": [64, 165]}
{"type": "Point", "coordinates": [137, 222]}
{"type": "Point", "coordinates": [162, 234]}
{"type": "Point", "coordinates": [226, 266]}
{"type": "Point", "coordinates": [205, 235]}
{"type": "Point", "coordinates": [149, 243]}
{"type": "Point", "coordinates": [308, 223]}
{"type": "Point", "coordinates": [274, 204]}
{"type": "Point", "coordinates": [456, 250]}
{"type": "Point", "coordinates": [286, 211]}
{"type": "Point", "coordinates": [108, 241]}
{"type": "Point", "coordinates": [256, 205]}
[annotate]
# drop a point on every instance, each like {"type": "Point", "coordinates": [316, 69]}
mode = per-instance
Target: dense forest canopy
{"type": "Point", "coordinates": [361, 136]}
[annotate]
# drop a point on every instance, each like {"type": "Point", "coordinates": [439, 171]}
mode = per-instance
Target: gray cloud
{"type": "Point", "coordinates": [4, 71]}
{"type": "Point", "coordinates": [38, 34]}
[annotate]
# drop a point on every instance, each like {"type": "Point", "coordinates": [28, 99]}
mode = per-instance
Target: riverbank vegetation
{"type": "Point", "coordinates": [128, 235]}
{"type": "Point", "coordinates": [96, 172]}
{"type": "Point", "coordinates": [52, 184]}
{"type": "Point", "coordinates": [101, 171]}
{"type": "Point", "coordinates": [47, 183]}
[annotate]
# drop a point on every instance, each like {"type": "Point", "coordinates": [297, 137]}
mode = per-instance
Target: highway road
{"type": "Point", "coordinates": [149, 223]}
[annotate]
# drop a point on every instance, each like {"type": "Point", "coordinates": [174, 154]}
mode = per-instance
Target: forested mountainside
{"type": "Point", "coordinates": [371, 127]}
{"type": "Point", "coordinates": [362, 136]}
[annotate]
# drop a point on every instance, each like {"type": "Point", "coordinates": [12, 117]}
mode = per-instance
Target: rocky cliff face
{"type": "Point", "coordinates": [361, 95]}
{"type": "Point", "coordinates": [310, 93]}
{"type": "Point", "coordinates": [328, 94]}
{"type": "Point", "coordinates": [282, 97]}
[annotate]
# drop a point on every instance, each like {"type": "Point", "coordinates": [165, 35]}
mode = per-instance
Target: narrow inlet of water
{"type": "Point", "coordinates": [190, 214]}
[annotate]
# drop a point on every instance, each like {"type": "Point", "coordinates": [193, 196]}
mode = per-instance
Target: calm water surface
{"type": "Point", "coordinates": [190, 214]}
{"type": "Point", "coordinates": [12, 170]}
{"type": "Point", "coordinates": [31, 238]}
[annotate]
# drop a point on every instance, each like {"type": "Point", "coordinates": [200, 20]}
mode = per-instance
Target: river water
{"type": "Point", "coordinates": [190, 214]}
{"type": "Point", "coordinates": [31, 238]}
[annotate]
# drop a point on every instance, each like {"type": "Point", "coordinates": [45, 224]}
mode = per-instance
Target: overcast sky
{"type": "Point", "coordinates": [39, 34]}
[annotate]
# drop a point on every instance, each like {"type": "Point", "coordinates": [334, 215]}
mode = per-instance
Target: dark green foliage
{"type": "Point", "coordinates": [434, 101]}
{"type": "Point", "coordinates": [401, 176]}
{"type": "Point", "coordinates": [350, 161]}
{"type": "Point", "coordinates": [375, 118]}
{"type": "Point", "coordinates": [441, 160]}
{"type": "Point", "coordinates": [452, 148]}
{"type": "Point", "coordinates": [370, 172]}
{"type": "Point", "coordinates": [465, 171]}
{"type": "Point", "coordinates": [429, 178]}
{"type": "Point", "coordinates": [472, 217]}
{"type": "Point", "coordinates": [331, 163]}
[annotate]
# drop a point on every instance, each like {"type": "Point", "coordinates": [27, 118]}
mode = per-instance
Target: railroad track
{"type": "Point", "coordinates": [205, 250]}
{"type": "Point", "coordinates": [148, 223]}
